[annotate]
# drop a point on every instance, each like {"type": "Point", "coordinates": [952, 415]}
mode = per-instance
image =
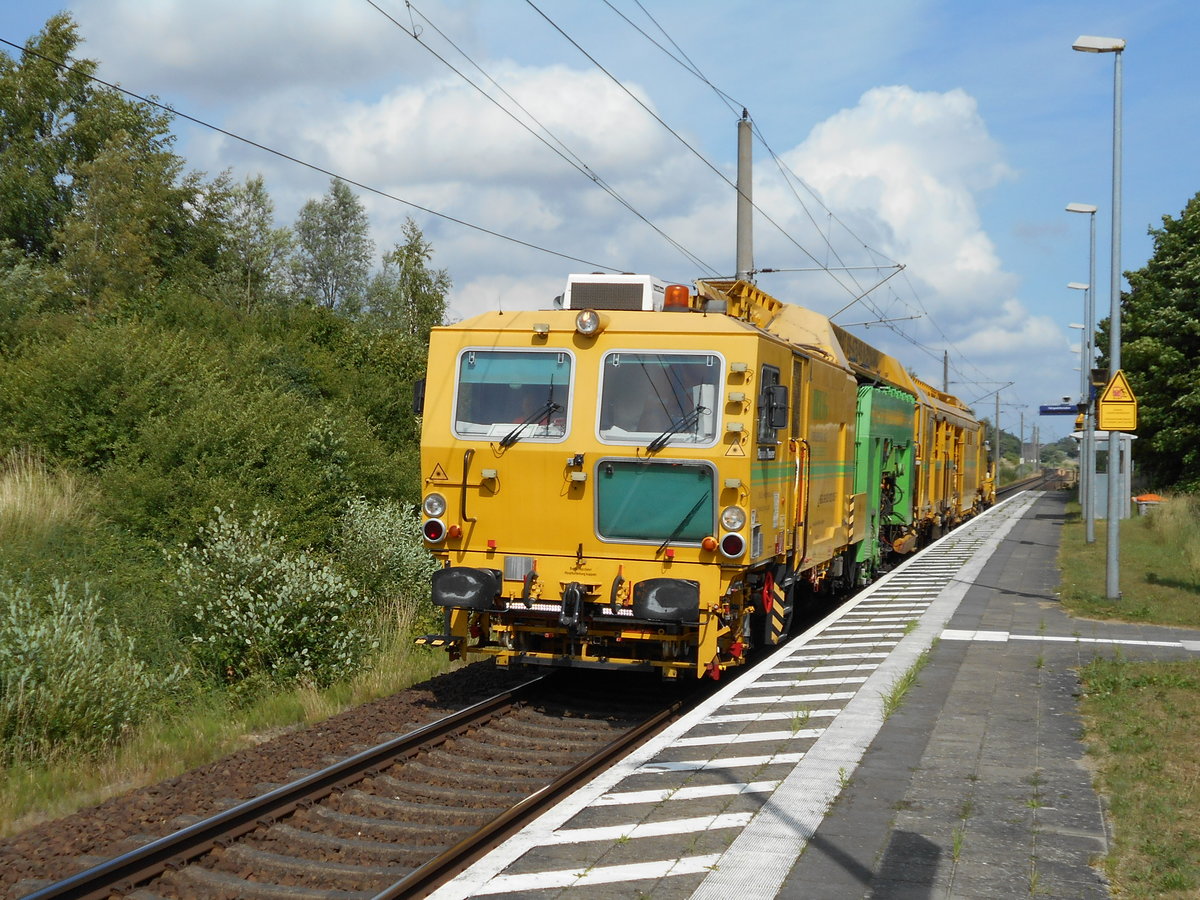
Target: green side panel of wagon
{"type": "Point", "coordinates": [884, 465]}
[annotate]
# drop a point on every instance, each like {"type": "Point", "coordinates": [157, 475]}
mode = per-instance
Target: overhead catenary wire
{"type": "Point", "coordinates": [857, 292]}
{"type": "Point", "coordinates": [687, 144]}
{"type": "Point", "coordinates": [790, 177]}
{"type": "Point", "coordinates": [561, 150]}
{"type": "Point", "coordinates": [683, 59]}
{"type": "Point", "coordinates": [733, 105]}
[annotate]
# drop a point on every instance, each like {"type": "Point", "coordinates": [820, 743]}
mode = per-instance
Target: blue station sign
{"type": "Point", "coordinates": [1058, 409]}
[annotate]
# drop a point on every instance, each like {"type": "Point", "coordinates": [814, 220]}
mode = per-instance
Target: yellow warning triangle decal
{"type": "Point", "coordinates": [438, 473]}
{"type": "Point", "coordinates": [1117, 390]}
{"type": "Point", "coordinates": [735, 449]}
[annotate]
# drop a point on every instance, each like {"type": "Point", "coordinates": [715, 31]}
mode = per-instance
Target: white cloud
{"type": "Point", "coordinates": [905, 170]}
{"type": "Point", "coordinates": [445, 130]}
{"type": "Point", "coordinates": [218, 50]}
{"type": "Point", "coordinates": [915, 161]}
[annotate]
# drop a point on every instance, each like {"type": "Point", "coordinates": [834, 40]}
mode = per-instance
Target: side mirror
{"type": "Point", "coordinates": [419, 396]}
{"type": "Point", "coordinates": [777, 405]}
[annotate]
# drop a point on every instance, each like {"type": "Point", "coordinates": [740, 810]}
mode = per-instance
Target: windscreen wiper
{"type": "Point", "coordinates": [513, 436]}
{"type": "Point", "coordinates": [683, 523]}
{"type": "Point", "coordinates": [677, 426]}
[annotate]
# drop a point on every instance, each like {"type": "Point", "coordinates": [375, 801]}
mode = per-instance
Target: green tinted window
{"type": "Point", "coordinates": [654, 501]}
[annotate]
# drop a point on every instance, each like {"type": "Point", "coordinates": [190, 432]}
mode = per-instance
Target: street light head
{"type": "Point", "coordinates": [1078, 286]}
{"type": "Point", "coordinates": [1089, 43]}
{"type": "Point", "coordinates": [1075, 325]}
{"type": "Point", "coordinates": [1081, 208]}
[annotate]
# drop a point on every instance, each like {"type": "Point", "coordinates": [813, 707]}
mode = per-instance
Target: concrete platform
{"type": "Point", "coordinates": [792, 782]}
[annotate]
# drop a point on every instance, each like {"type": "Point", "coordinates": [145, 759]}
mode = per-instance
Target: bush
{"type": "Point", "coordinates": [66, 679]}
{"type": "Point", "coordinates": [259, 613]}
{"type": "Point", "coordinates": [84, 397]}
{"type": "Point", "coordinates": [173, 421]}
{"type": "Point", "coordinates": [382, 549]}
{"type": "Point", "coordinates": [263, 449]}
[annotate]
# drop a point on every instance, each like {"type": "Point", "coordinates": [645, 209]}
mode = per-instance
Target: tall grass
{"type": "Point", "coordinates": [61, 782]}
{"type": "Point", "coordinates": [67, 678]}
{"type": "Point", "coordinates": [1177, 523]}
{"type": "Point", "coordinates": [35, 500]}
{"type": "Point", "coordinates": [1159, 567]}
{"type": "Point", "coordinates": [99, 707]}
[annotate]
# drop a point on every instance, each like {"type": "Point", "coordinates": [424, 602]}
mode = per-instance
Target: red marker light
{"type": "Point", "coordinates": [733, 546]}
{"type": "Point", "coordinates": [491, 544]}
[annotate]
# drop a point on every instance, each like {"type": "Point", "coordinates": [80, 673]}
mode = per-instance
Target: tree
{"type": "Point", "coordinates": [1160, 353]}
{"type": "Point", "coordinates": [1066, 448]}
{"type": "Point", "coordinates": [407, 295]}
{"type": "Point", "coordinates": [333, 250]}
{"type": "Point", "coordinates": [39, 105]}
{"type": "Point", "coordinates": [135, 220]}
{"type": "Point", "coordinates": [257, 250]}
{"type": "Point", "coordinates": [54, 121]}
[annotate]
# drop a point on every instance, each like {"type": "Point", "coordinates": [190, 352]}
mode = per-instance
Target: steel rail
{"type": "Point", "coordinates": [428, 877]}
{"type": "Point", "coordinates": [1028, 483]}
{"type": "Point", "coordinates": [126, 871]}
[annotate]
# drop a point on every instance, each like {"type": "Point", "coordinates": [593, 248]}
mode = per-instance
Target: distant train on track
{"type": "Point", "coordinates": [655, 477]}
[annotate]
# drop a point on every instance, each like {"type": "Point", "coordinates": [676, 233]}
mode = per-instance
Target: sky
{"type": "Point", "coordinates": [944, 136]}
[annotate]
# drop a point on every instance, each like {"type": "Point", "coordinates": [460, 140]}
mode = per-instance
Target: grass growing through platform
{"type": "Point", "coordinates": [900, 687]}
{"type": "Point", "coordinates": [1142, 719]}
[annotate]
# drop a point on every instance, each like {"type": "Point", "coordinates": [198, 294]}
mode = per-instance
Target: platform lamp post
{"type": "Point", "coordinates": [1112, 572]}
{"type": "Point", "coordinates": [1087, 448]}
{"type": "Point", "coordinates": [1086, 470]}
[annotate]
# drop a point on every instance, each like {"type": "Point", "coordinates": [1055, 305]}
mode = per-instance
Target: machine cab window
{"type": "Point", "coordinates": [513, 395]}
{"type": "Point", "coordinates": [654, 399]}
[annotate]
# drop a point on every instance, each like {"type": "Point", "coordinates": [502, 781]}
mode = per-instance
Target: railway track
{"type": "Point", "coordinates": [1047, 479]}
{"type": "Point", "coordinates": [398, 818]}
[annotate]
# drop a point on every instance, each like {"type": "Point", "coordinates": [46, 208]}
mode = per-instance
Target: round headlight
{"type": "Point", "coordinates": [587, 322]}
{"type": "Point", "coordinates": [733, 518]}
{"type": "Point", "coordinates": [434, 505]}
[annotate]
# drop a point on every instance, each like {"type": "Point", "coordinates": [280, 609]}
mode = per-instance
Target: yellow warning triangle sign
{"type": "Point", "coordinates": [438, 473]}
{"type": "Point", "coordinates": [735, 449]}
{"type": "Point", "coordinates": [1118, 408]}
{"type": "Point", "coordinates": [1117, 390]}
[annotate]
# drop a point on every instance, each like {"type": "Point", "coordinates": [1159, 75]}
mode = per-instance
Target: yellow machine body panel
{"type": "Point", "coordinates": [541, 503]}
